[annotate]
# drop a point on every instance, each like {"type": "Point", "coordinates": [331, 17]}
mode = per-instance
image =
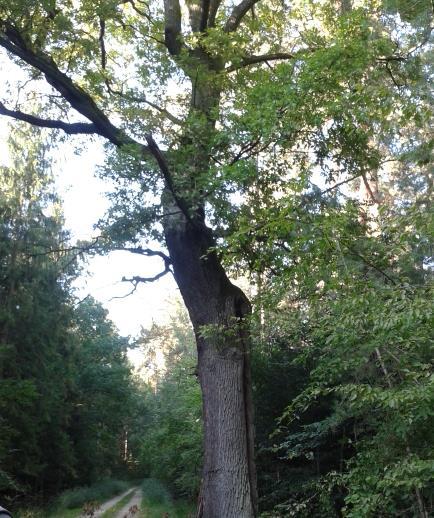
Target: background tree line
{"type": "Point", "coordinates": [67, 392]}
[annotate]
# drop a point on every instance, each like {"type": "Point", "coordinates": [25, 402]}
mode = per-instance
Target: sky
{"type": "Point", "coordinates": [84, 203]}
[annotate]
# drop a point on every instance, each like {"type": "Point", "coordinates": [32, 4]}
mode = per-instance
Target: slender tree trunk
{"type": "Point", "coordinates": [218, 310]}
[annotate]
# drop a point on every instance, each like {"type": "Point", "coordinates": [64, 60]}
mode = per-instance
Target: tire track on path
{"type": "Point", "coordinates": [110, 503]}
{"type": "Point", "coordinates": [131, 508]}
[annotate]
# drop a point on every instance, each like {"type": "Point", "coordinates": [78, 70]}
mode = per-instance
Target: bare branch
{"type": "Point", "coordinates": [137, 279]}
{"type": "Point", "coordinates": [249, 150]}
{"type": "Point", "coordinates": [70, 128]}
{"type": "Point", "coordinates": [238, 14]}
{"type": "Point", "coordinates": [80, 301]}
{"type": "Point", "coordinates": [244, 150]}
{"type": "Point", "coordinates": [147, 252]}
{"type": "Point", "coordinates": [133, 98]}
{"type": "Point", "coordinates": [134, 288]}
{"type": "Point", "coordinates": [253, 60]}
{"type": "Point", "coordinates": [93, 246]}
{"type": "Point", "coordinates": [138, 11]}
{"type": "Point", "coordinates": [371, 264]}
{"type": "Point", "coordinates": [389, 71]}
{"type": "Point", "coordinates": [343, 182]}
{"type": "Point", "coordinates": [163, 111]}
{"type": "Point", "coordinates": [144, 251]}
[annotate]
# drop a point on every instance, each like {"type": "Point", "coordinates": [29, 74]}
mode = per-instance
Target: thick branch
{"type": "Point", "coordinates": [238, 14]}
{"type": "Point", "coordinates": [195, 10]}
{"type": "Point", "coordinates": [213, 8]}
{"type": "Point", "coordinates": [172, 26]}
{"type": "Point", "coordinates": [204, 15]}
{"type": "Point", "coordinates": [79, 99]}
{"type": "Point", "coordinates": [102, 43]}
{"type": "Point", "coordinates": [369, 190]}
{"type": "Point", "coordinates": [253, 60]}
{"type": "Point", "coordinates": [70, 128]}
{"type": "Point", "coordinates": [164, 168]}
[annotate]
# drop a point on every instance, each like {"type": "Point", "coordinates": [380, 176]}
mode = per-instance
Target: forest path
{"type": "Point", "coordinates": [131, 508]}
{"type": "Point", "coordinates": [112, 502]}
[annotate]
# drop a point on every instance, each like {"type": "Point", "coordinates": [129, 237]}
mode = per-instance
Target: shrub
{"type": "Point", "coordinates": [73, 498]}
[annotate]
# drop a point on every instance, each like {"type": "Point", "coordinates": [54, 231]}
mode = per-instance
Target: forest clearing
{"type": "Point", "coordinates": [216, 258]}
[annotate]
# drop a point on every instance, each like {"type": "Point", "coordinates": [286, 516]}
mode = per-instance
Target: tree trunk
{"type": "Point", "coordinates": [218, 310]}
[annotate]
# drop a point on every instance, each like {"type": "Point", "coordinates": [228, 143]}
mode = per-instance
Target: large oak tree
{"type": "Point", "coordinates": [208, 106]}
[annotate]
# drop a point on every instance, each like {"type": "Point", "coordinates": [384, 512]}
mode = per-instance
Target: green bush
{"type": "Point", "coordinates": [154, 492]}
{"type": "Point", "coordinates": [73, 498]}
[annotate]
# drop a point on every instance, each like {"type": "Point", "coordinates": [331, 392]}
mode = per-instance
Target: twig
{"type": "Point", "coordinates": [137, 279]}
{"type": "Point", "coordinates": [254, 60]}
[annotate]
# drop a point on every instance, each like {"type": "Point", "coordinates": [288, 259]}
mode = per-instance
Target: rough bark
{"type": "Point", "coordinates": [218, 310]}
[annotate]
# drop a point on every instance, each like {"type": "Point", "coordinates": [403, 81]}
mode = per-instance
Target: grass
{"type": "Point", "coordinates": [111, 513]}
{"type": "Point", "coordinates": [69, 504]}
{"type": "Point", "coordinates": [156, 501]}
{"type": "Point", "coordinates": [66, 513]}
{"type": "Point", "coordinates": [175, 510]}
{"type": "Point", "coordinates": [38, 513]}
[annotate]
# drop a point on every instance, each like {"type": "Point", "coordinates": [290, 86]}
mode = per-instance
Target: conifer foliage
{"type": "Point", "coordinates": [65, 383]}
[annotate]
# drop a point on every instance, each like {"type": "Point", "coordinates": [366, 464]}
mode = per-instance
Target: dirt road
{"type": "Point", "coordinates": [132, 507]}
{"type": "Point", "coordinates": [110, 503]}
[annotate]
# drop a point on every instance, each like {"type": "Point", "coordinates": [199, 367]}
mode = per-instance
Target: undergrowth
{"type": "Point", "coordinates": [73, 498]}
{"type": "Point", "coordinates": [157, 501]}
